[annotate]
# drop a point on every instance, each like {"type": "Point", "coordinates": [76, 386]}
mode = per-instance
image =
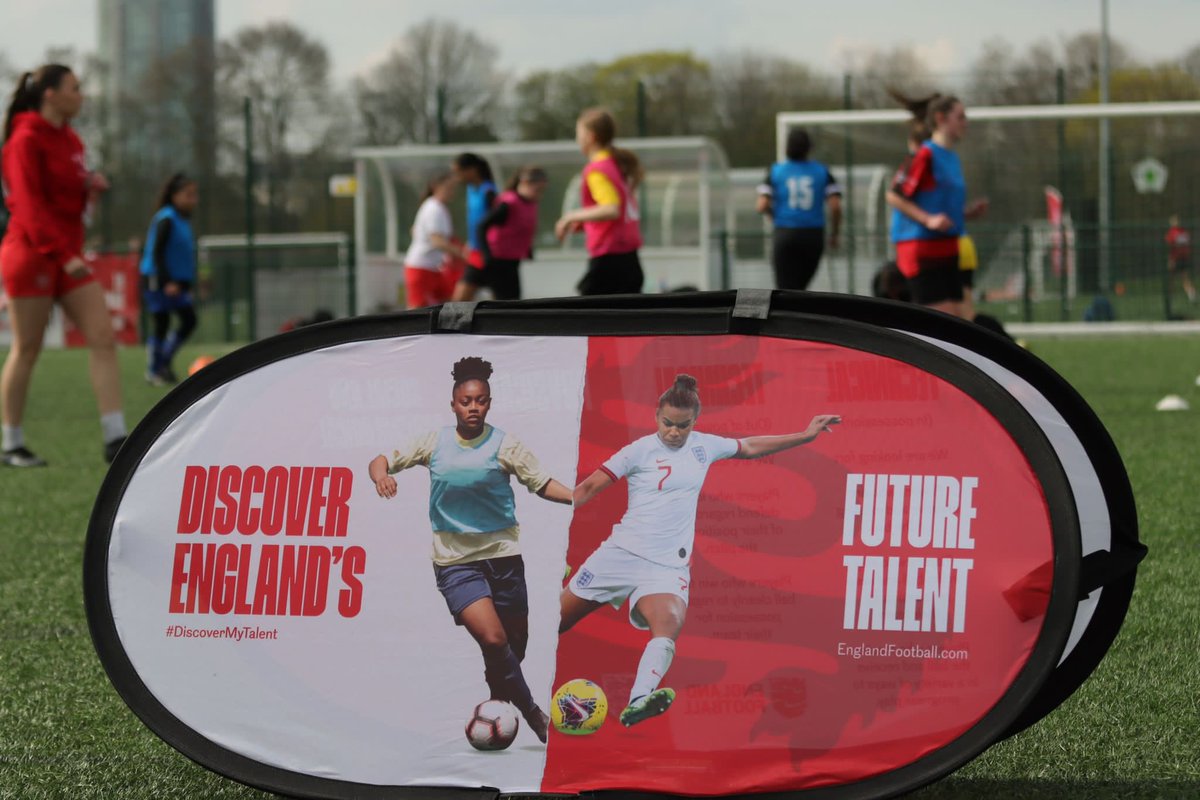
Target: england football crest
{"type": "Point", "coordinates": [700, 455]}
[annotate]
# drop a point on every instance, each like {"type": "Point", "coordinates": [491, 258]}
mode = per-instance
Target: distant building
{"type": "Point", "coordinates": [157, 83]}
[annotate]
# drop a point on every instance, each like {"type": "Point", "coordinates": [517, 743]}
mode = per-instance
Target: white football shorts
{"type": "Point", "coordinates": [612, 574]}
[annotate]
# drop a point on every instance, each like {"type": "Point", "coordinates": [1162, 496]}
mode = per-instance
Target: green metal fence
{"type": "Point", "coordinates": [1024, 273]}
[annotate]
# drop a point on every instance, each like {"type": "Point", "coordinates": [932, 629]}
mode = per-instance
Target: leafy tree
{"type": "Point", "coordinates": [547, 102]}
{"type": "Point", "coordinates": [678, 87]}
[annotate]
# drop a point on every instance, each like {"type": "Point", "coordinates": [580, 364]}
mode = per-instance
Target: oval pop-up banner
{"type": "Point", "coordinates": [683, 545]}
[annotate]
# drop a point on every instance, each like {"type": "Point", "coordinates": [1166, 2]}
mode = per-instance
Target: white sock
{"type": "Point", "coordinates": [14, 437]}
{"type": "Point", "coordinates": [656, 660]}
{"type": "Point", "coordinates": [112, 425]}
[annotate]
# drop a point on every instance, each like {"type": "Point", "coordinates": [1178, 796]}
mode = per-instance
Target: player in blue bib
{"type": "Point", "coordinates": [168, 270]}
{"type": "Point", "coordinates": [476, 555]}
{"type": "Point", "coordinates": [474, 172]}
{"type": "Point", "coordinates": [795, 193]}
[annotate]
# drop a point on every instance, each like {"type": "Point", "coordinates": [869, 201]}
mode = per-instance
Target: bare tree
{"type": "Point", "coordinates": [285, 75]}
{"type": "Point", "coordinates": [750, 89]}
{"type": "Point", "coordinates": [435, 66]}
{"type": "Point", "coordinates": [901, 68]}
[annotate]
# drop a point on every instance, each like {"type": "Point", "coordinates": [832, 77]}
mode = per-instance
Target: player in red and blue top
{"type": "Point", "coordinates": [930, 196]}
{"type": "Point", "coordinates": [1179, 257]}
{"type": "Point", "coordinates": [795, 193]}
{"type": "Point", "coordinates": [647, 558]}
{"type": "Point", "coordinates": [609, 216]}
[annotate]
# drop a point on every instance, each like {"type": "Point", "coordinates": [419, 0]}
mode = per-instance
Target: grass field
{"type": "Point", "coordinates": [1132, 731]}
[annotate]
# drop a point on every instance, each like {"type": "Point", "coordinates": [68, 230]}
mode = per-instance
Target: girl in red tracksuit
{"type": "Point", "coordinates": [506, 233]}
{"type": "Point", "coordinates": [609, 216]}
{"type": "Point", "coordinates": [48, 190]}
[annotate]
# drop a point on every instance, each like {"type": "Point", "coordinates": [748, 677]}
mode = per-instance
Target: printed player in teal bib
{"type": "Point", "coordinates": [476, 555]}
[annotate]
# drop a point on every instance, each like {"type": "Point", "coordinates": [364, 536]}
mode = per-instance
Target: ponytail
{"type": "Point", "coordinates": [682, 394]}
{"type": "Point", "coordinates": [604, 128]}
{"type": "Point", "coordinates": [30, 89]}
{"type": "Point", "coordinates": [925, 109]}
{"type": "Point", "coordinates": [22, 100]}
{"type": "Point", "coordinates": [629, 165]}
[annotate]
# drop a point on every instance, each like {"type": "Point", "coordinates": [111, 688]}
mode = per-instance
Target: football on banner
{"type": "Point", "coordinates": [493, 725]}
{"type": "Point", "coordinates": [579, 708]}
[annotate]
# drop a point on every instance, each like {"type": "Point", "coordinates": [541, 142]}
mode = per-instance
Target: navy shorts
{"type": "Point", "coordinates": [502, 579]}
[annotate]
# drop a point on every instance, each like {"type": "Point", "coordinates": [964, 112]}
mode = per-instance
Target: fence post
{"type": "Point", "coordinates": [1026, 273]}
{"type": "Point", "coordinates": [848, 189]}
{"type": "Point", "coordinates": [441, 115]}
{"type": "Point", "coordinates": [227, 292]}
{"type": "Point", "coordinates": [248, 123]}
{"type": "Point", "coordinates": [352, 283]}
{"type": "Point", "coordinates": [1064, 274]}
{"type": "Point", "coordinates": [726, 266]}
{"type": "Point", "coordinates": [1165, 271]}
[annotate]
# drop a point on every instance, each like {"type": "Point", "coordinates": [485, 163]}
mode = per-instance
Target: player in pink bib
{"type": "Point", "coordinates": [647, 557]}
{"type": "Point", "coordinates": [609, 214]}
{"type": "Point", "coordinates": [505, 235]}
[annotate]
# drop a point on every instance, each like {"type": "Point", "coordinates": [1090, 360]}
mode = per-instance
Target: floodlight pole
{"type": "Point", "coordinates": [1104, 175]}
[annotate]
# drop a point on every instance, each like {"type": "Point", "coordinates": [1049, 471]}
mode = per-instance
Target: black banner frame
{"type": "Point", "coordinates": [857, 323]}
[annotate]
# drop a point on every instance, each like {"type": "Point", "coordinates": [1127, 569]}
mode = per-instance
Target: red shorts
{"type": "Point", "coordinates": [425, 287]}
{"type": "Point", "coordinates": [26, 273]}
{"type": "Point", "coordinates": [911, 254]}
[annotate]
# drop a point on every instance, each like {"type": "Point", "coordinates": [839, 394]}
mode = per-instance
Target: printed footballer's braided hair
{"type": "Point", "coordinates": [471, 368]}
{"type": "Point", "coordinates": [682, 394]}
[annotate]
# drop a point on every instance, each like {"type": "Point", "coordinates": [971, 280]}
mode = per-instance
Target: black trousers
{"type": "Point", "coordinates": [795, 255]}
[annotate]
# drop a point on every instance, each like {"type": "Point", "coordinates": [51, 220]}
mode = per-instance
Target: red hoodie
{"type": "Point", "coordinates": [45, 186]}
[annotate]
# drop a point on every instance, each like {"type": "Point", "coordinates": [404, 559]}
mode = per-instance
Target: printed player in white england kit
{"type": "Point", "coordinates": [647, 557]}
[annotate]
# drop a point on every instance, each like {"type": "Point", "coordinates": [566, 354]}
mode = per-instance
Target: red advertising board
{"type": "Point", "coordinates": [117, 275]}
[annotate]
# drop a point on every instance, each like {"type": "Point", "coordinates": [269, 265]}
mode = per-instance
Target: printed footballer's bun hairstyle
{"type": "Point", "coordinates": [471, 368]}
{"type": "Point", "coordinates": [682, 394]}
{"type": "Point", "coordinates": [925, 109]}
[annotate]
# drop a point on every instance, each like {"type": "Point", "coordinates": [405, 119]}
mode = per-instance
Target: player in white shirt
{"type": "Point", "coordinates": [647, 557]}
{"type": "Point", "coordinates": [425, 284]}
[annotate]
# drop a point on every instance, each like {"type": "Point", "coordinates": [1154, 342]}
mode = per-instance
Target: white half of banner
{"type": "Point", "coordinates": [373, 703]}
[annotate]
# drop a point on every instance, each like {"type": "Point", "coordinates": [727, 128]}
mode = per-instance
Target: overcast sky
{"type": "Point", "coordinates": [536, 34]}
